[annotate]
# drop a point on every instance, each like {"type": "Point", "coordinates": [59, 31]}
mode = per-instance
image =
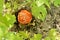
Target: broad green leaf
{"type": "Point", "coordinates": [57, 3]}
{"type": "Point", "coordinates": [38, 12]}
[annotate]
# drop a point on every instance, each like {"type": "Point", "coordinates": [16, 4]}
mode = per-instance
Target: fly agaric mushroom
{"type": "Point", "coordinates": [24, 17]}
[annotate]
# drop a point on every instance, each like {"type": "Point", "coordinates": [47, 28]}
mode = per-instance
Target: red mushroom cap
{"type": "Point", "coordinates": [24, 17]}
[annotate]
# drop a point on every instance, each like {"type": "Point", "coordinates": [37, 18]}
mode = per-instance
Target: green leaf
{"type": "Point", "coordinates": [52, 34]}
{"type": "Point", "coordinates": [36, 37]}
{"type": "Point", "coordinates": [15, 5]}
{"type": "Point", "coordinates": [1, 6]}
{"type": "Point", "coordinates": [39, 12]}
{"type": "Point", "coordinates": [8, 5]}
{"type": "Point", "coordinates": [47, 3]}
{"type": "Point", "coordinates": [18, 37]}
{"type": "Point", "coordinates": [3, 26]}
{"type": "Point", "coordinates": [12, 36]}
{"type": "Point", "coordinates": [47, 38]}
{"type": "Point", "coordinates": [39, 2]}
{"type": "Point", "coordinates": [6, 21]}
{"type": "Point", "coordinates": [3, 19]}
{"type": "Point", "coordinates": [24, 34]}
{"type": "Point", "coordinates": [57, 3]}
{"type": "Point", "coordinates": [9, 36]}
{"type": "Point", "coordinates": [10, 19]}
{"type": "Point", "coordinates": [1, 34]}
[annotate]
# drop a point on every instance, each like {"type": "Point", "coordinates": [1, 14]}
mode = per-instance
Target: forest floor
{"type": "Point", "coordinates": [52, 20]}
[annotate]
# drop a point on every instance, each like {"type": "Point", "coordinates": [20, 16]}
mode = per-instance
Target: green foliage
{"type": "Point", "coordinates": [25, 34]}
{"type": "Point", "coordinates": [1, 6]}
{"type": "Point", "coordinates": [12, 36]}
{"type": "Point", "coordinates": [6, 22]}
{"type": "Point", "coordinates": [8, 5]}
{"type": "Point", "coordinates": [15, 5]}
{"type": "Point", "coordinates": [10, 19]}
{"type": "Point", "coordinates": [52, 35]}
{"type": "Point", "coordinates": [47, 3]}
{"type": "Point", "coordinates": [47, 38]}
{"type": "Point", "coordinates": [57, 3]}
{"type": "Point", "coordinates": [36, 37]}
{"type": "Point", "coordinates": [1, 32]}
{"type": "Point", "coordinates": [38, 9]}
